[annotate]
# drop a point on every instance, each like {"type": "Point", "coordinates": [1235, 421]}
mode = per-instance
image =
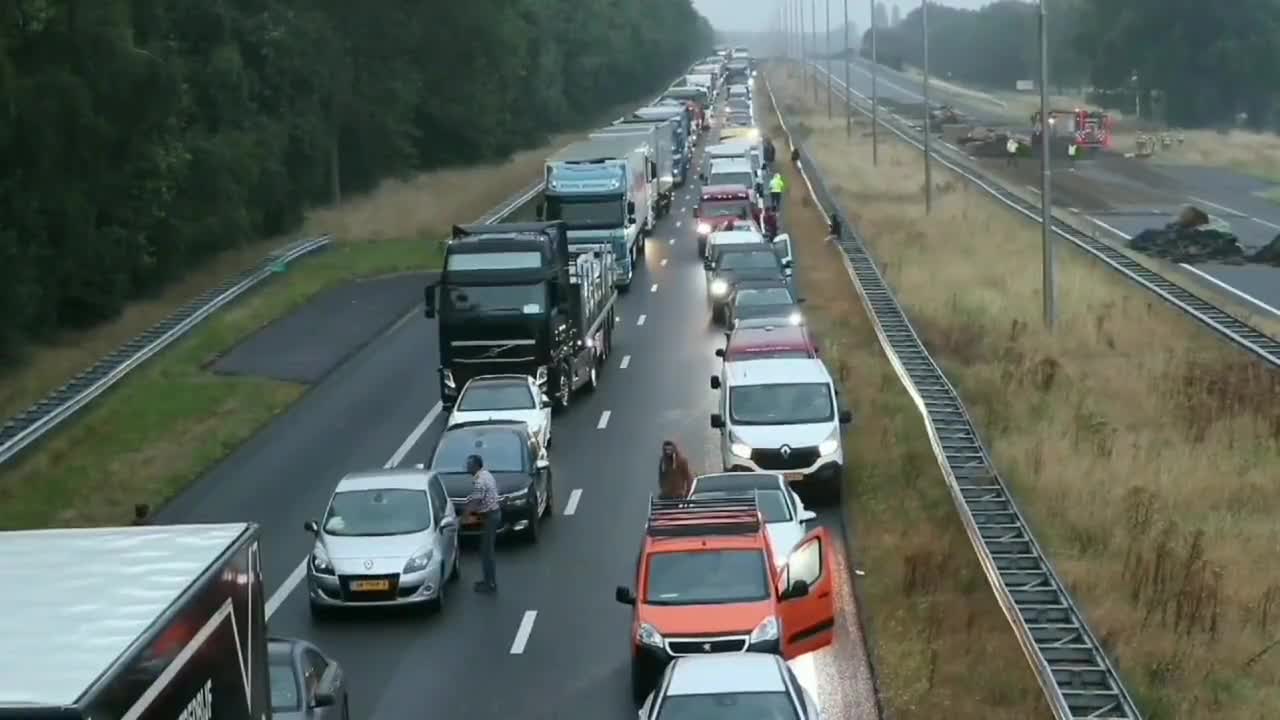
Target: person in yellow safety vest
{"type": "Point", "coordinates": [1012, 147]}
{"type": "Point", "coordinates": [1071, 152]}
{"type": "Point", "coordinates": [776, 187]}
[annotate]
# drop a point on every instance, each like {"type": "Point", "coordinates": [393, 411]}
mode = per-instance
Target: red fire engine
{"type": "Point", "coordinates": [1090, 129]}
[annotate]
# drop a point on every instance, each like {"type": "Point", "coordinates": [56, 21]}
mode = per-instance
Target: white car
{"type": "Point", "coordinates": [513, 398]}
{"type": "Point", "coordinates": [783, 510]}
{"type": "Point", "coordinates": [729, 686]}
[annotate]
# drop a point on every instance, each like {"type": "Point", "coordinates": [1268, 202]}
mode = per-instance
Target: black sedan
{"type": "Point", "coordinates": [757, 299]}
{"type": "Point", "coordinates": [518, 464]}
{"type": "Point", "coordinates": [304, 682]}
{"type": "Point", "coordinates": [734, 264]}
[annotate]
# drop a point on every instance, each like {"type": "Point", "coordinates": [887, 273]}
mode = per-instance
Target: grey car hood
{"type": "Point", "coordinates": [383, 554]}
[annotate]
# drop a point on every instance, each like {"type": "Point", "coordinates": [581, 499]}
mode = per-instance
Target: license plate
{"type": "Point", "coordinates": [792, 477]}
{"type": "Point", "coordinates": [371, 585]}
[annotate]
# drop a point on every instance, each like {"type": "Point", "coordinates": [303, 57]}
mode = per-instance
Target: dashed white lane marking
{"type": "Point", "coordinates": [663, 264]}
{"type": "Point", "coordinates": [300, 572]}
{"type": "Point", "coordinates": [604, 420]}
{"type": "Point", "coordinates": [654, 288]}
{"type": "Point", "coordinates": [574, 498]}
{"type": "Point", "coordinates": [640, 320]}
{"type": "Point", "coordinates": [1235, 212]}
{"type": "Point", "coordinates": [626, 360]}
{"type": "Point", "coordinates": [523, 632]}
{"type": "Point", "coordinates": [672, 241]}
{"type": "Point", "coordinates": [678, 223]}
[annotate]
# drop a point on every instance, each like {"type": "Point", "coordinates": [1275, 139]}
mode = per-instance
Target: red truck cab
{"type": "Point", "coordinates": [721, 207]}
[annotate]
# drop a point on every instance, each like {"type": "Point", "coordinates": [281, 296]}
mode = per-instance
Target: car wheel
{"type": "Point", "coordinates": [593, 380]}
{"type": "Point", "coordinates": [437, 605]}
{"type": "Point", "coordinates": [456, 572]}
{"type": "Point", "coordinates": [531, 533]}
{"type": "Point", "coordinates": [640, 684]}
{"type": "Point", "coordinates": [549, 511]}
{"type": "Point", "coordinates": [320, 613]}
{"type": "Point", "coordinates": [346, 708]}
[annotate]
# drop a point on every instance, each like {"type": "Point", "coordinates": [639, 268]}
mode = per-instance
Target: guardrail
{"type": "Point", "coordinates": [58, 406]}
{"type": "Point", "coordinates": [1216, 319]}
{"type": "Point", "coordinates": [1073, 671]}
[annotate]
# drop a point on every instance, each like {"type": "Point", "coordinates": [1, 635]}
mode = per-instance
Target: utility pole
{"type": "Point", "coordinates": [813, 42]}
{"type": "Point", "coordinates": [804, 58]}
{"type": "Point", "coordinates": [1048, 289]}
{"type": "Point", "coordinates": [875, 90]}
{"type": "Point", "coordinates": [928, 166]}
{"type": "Point", "coordinates": [828, 59]}
{"type": "Point", "coordinates": [848, 101]}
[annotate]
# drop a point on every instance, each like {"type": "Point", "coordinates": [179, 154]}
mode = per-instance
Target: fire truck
{"type": "Point", "coordinates": [1089, 129]}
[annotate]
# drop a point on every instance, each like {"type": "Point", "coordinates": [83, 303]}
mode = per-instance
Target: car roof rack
{"type": "Point", "coordinates": [723, 515]}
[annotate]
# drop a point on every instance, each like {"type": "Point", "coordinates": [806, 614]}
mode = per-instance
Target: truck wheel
{"type": "Point", "coordinates": [593, 379]}
{"type": "Point", "coordinates": [564, 386]}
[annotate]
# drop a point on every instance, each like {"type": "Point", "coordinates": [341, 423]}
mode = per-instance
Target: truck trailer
{"type": "Point", "coordinates": [605, 192]}
{"type": "Point", "coordinates": [519, 298]}
{"type": "Point", "coordinates": [680, 114]}
{"type": "Point", "coordinates": [135, 623]}
{"type": "Point", "coordinates": [658, 136]}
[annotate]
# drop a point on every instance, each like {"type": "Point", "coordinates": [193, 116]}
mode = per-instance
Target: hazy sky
{"type": "Point", "coordinates": [759, 14]}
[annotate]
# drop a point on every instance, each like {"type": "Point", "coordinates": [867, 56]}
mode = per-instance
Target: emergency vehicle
{"type": "Point", "coordinates": [1088, 129]}
{"type": "Point", "coordinates": [706, 583]}
{"type": "Point", "coordinates": [721, 207]}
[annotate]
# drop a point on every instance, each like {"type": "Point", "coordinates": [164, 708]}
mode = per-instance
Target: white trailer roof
{"type": "Point", "coordinates": [77, 599]}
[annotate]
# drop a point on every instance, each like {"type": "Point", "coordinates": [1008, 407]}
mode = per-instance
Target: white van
{"type": "Point", "coordinates": [781, 415]}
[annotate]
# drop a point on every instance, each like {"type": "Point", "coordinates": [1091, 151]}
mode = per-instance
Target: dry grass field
{"type": "Point", "coordinates": [930, 615]}
{"type": "Point", "coordinates": [1143, 449]}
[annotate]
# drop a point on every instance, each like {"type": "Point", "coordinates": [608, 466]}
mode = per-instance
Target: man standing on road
{"type": "Point", "coordinates": [483, 504]}
{"type": "Point", "coordinates": [675, 478]}
{"type": "Point", "coordinates": [776, 187]}
{"type": "Point", "coordinates": [1071, 153]}
{"type": "Point", "coordinates": [1012, 148]}
{"type": "Point", "coordinates": [769, 153]}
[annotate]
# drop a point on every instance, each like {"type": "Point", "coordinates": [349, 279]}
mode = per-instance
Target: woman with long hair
{"type": "Point", "coordinates": [675, 478]}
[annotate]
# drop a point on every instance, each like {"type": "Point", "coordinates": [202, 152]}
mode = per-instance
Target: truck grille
{"type": "Point", "coordinates": [356, 596]}
{"type": "Point", "coordinates": [772, 459]}
{"type": "Point", "coordinates": [703, 646]}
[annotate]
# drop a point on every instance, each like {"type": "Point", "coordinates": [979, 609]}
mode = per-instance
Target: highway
{"type": "Point", "coordinates": [552, 643]}
{"type": "Point", "coordinates": [1231, 196]}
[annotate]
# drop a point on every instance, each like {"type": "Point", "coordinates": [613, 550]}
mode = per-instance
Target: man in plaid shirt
{"type": "Point", "coordinates": [483, 503]}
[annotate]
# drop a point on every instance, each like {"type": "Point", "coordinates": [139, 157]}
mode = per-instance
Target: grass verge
{"type": "Point", "coordinates": [158, 430]}
{"type": "Point", "coordinates": [1141, 447]}
{"type": "Point", "coordinates": [931, 616]}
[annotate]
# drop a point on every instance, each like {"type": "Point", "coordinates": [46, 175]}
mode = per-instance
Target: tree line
{"type": "Point", "coordinates": [1188, 67]}
{"type": "Point", "coordinates": [140, 137]}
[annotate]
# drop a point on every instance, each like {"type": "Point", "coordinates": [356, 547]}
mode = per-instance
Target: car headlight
{"type": "Point", "coordinates": [740, 449]}
{"type": "Point", "coordinates": [719, 287]}
{"type": "Point", "coordinates": [830, 445]}
{"type": "Point", "coordinates": [767, 630]}
{"type": "Point", "coordinates": [320, 561]}
{"type": "Point", "coordinates": [703, 228]}
{"type": "Point", "coordinates": [796, 318]}
{"type": "Point", "coordinates": [419, 562]}
{"type": "Point", "coordinates": [649, 635]}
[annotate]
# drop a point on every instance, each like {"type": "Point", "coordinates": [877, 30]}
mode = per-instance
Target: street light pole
{"type": "Point", "coordinates": [875, 90]}
{"type": "Point", "coordinates": [848, 105]}
{"type": "Point", "coordinates": [1048, 283]}
{"type": "Point", "coordinates": [804, 69]}
{"type": "Point", "coordinates": [813, 42]}
{"type": "Point", "coordinates": [928, 166]}
{"type": "Point", "coordinates": [828, 59]}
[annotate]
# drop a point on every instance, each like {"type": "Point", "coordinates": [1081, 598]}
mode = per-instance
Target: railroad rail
{"type": "Point", "coordinates": [1074, 673]}
{"type": "Point", "coordinates": [1216, 319]}
{"type": "Point", "coordinates": [55, 408]}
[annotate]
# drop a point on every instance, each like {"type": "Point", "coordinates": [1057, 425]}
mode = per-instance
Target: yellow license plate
{"type": "Point", "coordinates": [370, 585]}
{"type": "Point", "coordinates": [792, 477]}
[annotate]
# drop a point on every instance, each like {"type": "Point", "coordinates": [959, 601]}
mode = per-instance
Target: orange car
{"type": "Point", "coordinates": [706, 583]}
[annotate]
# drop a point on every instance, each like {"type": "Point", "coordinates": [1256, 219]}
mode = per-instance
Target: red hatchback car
{"type": "Point", "coordinates": [768, 341]}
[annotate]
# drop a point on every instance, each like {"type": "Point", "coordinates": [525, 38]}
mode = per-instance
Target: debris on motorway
{"type": "Point", "coordinates": [1195, 237]}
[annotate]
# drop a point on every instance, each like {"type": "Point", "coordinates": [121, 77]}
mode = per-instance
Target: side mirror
{"type": "Point", "coordinates": [707, 265]}
{"type": "Point", "coordinates": [697, 211]}
{"type": "Point", "coordinates": [631, 207]}
{"type": "Point", "coordinates": [717, 421]}
{"type": "Point", "coordinates": [797, 589]}
{"type": "Point", "coordinates": [429, 301]}
{"type": "Point", "coordinates": [715, 382]}
{"type": "Point", "coordinates": [788, 263]}
{"type": "Point", "coordinates": [702, 177]}
{"type": "Point", "coordinates": [449, 522]}
{"type": "Point", "coordinates": [542, 463]}
{"type": "Point", "coordinates": [545, 400]}
{"type": "Point", "coordinates": [720, 353]}
{"type": "Point", "coordinates": [624, 595]}
{"type": "Point", "coordinates": [312, 527]}
{"type": "Point", "coordinates": [540, 211]}
{"type": "Point", "coordinates": [782, 237]}
{"type": "Point", "coordinates": [327, 687]}
{"type": "Point", "coordinates": [807, 516]}
{"type": "Point", "coordinates": [846, 417]}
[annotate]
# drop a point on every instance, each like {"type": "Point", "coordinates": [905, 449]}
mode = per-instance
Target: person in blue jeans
{"type": "Point", "coordinates": [483, 504]}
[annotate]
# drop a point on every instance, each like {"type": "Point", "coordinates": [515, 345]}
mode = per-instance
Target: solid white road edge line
{"type": "Point", "coordinates": [523, 632]}
{"type": "Point", "coordinates": [300, 573]}
{"type": "Point", "coordinates": [626, 360]}
{"type": "Point", "coordinates": [574, 498]}
{"type": "Point", "coordinates": [604, 420]}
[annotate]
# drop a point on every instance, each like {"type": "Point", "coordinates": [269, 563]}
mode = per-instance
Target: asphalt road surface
{"type": "Point", "coordinates": [1223, 193]}
{"type": "Point", "coordinates": [553, 643]}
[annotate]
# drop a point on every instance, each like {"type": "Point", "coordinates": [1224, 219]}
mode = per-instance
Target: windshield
{"type": "Point", "coordinates": [772, 505]}
{"type": "Point", "coordinates": [587, 213]}
{"type": "Point", "coordinates": [284, 688]}
{"type": "Point", "coordinates": [781, 404]}
{"type": "Point", "coordinates": [501, 450]}
{"type": "Point", "coordinates": [739, 706]}
{"type": "Point", "coordinates": [495, 396]}
{"type": "Point", "coordinates": [523, 299]}
{"type": "Point", "coordinates": [366, 513]}
{"type": "Point", "coordinates": [732, 178]}
{"type": "Point", "coordinates": [523, 260]}
{"type": "Point", "coordinates": [706, 577]}
{"type": "Point", "coordinates": [763, 260]}
{"type": "Point", "coordinates": [734, 208]}
{"type": "Point", "coordinates": [763, 296]}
